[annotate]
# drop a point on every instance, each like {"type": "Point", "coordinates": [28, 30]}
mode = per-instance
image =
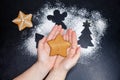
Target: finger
{"type": "Point", "coordinates": [41, 42]}
{"type": "Point", "coordinates": [57, 31]}
{"type": "Point", "coordinates": [71, 52]}
{"type": "Point", "coordinates": [66, 35]}
{"type": "Point", "coordinates": [70, 35]}
{"type": "Point", "coordinates": [62, 32]}
{"type": "Point", "coordinates": [77, 55]}
{"type": "Point", "coordinates": [74, 39]}
{"type": "Point", "coordinates": [53, 31]}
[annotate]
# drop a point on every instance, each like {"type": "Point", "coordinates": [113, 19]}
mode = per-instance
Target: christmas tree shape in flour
{"type": "Point", "coordinates": [85, 38]}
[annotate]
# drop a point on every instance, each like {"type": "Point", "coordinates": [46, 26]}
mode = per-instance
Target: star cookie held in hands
{"type": "Point", "coordinates": [58, 46]}
{"type": "Point", "coordinates": [23, 20]}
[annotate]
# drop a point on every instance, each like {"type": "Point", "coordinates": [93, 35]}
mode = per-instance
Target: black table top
{"type": "Point", "coordinates": [104, 67]}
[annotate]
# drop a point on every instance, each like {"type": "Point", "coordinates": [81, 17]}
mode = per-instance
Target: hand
{"type": "Point", "coordinates": [44, 49]}
{"type": "Point", "coordinates": [64, 64]}
{"type": "Point", "coordinates": [73, 53]}
{"type": "Point", "coordinates": [44, 63]}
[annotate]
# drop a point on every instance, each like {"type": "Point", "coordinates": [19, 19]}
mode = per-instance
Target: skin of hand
{"type": "Point", "coordinates": [44, 49]}
{"type": "Point", "coordinates": [45, 62]}
{"type": "Point", "coordinates": [64, 64]}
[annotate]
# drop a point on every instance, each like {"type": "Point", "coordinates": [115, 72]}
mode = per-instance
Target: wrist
{"type": "Point", "coordinates": [57, 74]}
{"type": "Point", "coordinates": [59, 69]}
{"type": "Point", "coordinates": [43, 69]}
{"type": "Point", "coordinates": [60, 72]}
{"type": "Point", "coordinates": [44, 66]}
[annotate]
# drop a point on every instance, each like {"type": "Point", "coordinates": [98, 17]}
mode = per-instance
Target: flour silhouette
{"type": "Point", "coordinates": [58, 18]}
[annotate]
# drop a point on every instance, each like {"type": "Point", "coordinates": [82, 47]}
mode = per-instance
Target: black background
{"type": "Point", "coordinates": [13, 61]}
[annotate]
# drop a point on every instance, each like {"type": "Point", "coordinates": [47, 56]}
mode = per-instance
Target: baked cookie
{"type": "Point", "coordinates": [58, 46]}
{"type": "Point", "coordinates": [23, 20]}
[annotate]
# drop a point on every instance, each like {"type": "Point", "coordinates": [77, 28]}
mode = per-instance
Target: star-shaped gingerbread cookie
{"type": "Point", "coordinates": [23, 20]}
{"type": "Point", "coordinates": [58, 46]}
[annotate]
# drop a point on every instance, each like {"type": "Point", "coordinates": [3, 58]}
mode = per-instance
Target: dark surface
{"type": "Point", "coordinates": [13, 61]}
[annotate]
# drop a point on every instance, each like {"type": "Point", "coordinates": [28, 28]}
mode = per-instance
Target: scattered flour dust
{"type": "Point", "coordinates": [74, 20]}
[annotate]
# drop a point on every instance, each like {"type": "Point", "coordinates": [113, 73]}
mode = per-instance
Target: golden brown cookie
{"type": "Point", "coordinates": [23, 20]}
{"type": "Point", "coordinates": [58, 46]}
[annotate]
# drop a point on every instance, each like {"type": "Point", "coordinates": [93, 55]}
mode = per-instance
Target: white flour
{"type": "Point", "coordinates": [74, 20]}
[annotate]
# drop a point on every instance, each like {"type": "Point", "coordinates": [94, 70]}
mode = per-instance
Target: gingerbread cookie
{"type": "Point", "coordinates": [23, 20]}
{"type": "Point", "coordinates": [58, 46]}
